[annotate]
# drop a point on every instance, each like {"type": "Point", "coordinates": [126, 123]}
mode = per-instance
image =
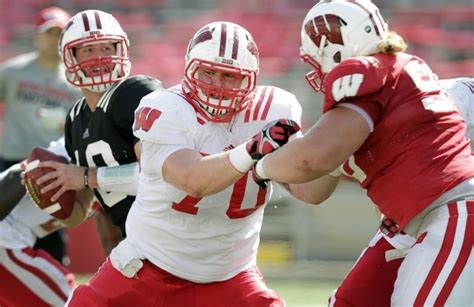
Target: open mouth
{"type": "Point", "coordinates": [216, 96]}
{"type": "Point", "coordinates": [98, 70]}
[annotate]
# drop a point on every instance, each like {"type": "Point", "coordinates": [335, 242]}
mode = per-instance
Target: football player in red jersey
{"type": "Point", "coordinates": [194, 228]}
{"type": "Point", "coordinates": [386, 114]}
{"type": "Point", "coordinates": [371, 280]}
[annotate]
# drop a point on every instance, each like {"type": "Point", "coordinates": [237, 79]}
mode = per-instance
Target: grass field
{"type": "Point", "coordinates": [304, 293]}
{"type": "Point", "coordinates": [297, 293]}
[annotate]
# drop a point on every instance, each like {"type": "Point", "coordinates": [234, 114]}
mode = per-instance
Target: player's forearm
{"type": "Point", "coordinates": [109, 234]}
{"type": "Point", "coordinates": [11, 191]}
{"type": "Point", "coordinates": [212, 175]}
{"type": "Point", "coordinates": [200, 176]}
{"type": "Point", "coordinates": [316, 191]}
{"type": "Point", "coordinates": [294, 163]}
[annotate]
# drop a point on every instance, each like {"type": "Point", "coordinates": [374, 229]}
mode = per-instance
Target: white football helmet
{"type": "Point", "coordinates": [88, 28]}
{"type": "Point", "coordinates": [336, 30]}
{"type": "Point", "coordinates": [222, 47]}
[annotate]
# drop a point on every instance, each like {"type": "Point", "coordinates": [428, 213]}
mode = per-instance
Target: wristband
{"type": "Point", "coordinates": [260, 171]}
{"type": "Point", "coordinates": [240, 158]}
{"type": "Point", "coordinates": [120, 178]}
{"type": "Point", "coordinates": [86, 177]}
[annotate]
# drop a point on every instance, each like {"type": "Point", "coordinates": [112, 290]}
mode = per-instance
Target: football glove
{"type": "Point", "coordinates": [274, 135]}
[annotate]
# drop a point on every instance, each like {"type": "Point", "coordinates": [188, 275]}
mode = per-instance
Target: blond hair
{"type": "Point", "coordinates": [392, 44]}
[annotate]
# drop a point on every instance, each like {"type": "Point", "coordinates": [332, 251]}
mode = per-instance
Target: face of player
{"type": "Point", "coordinates": [89, 58]}
{"type": "Point", "coordinates": [47, 43]}
{"type": "Point", "coordinates": [226, 80]}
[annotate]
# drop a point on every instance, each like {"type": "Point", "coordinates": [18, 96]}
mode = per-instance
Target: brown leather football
{"type": "Point", "coordinates": [65, 204]}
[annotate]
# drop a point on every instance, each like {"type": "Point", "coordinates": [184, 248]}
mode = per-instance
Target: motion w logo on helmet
{"type": "Point", "coordinates": [326, 25]}
{"type": "Point", "coordinates": [203, 35]}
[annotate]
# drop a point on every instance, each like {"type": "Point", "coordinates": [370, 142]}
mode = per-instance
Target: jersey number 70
{"type": "Point", "coordinates": [235, 211]}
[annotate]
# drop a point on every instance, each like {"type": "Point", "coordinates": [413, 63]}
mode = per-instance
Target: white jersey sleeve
{"type": "Point", "coordinates": [165, 122]}
{"type": "Point", "coordinates": [165, 118]}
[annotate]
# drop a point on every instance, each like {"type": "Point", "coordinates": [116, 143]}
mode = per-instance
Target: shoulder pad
{"type": "Point", "coordinates": [165, 117]}
{"type": "Point", "coordinates": [141, 81]}
{"type": "Point", "coordinates": [76, 108]}
{"type": "Point", "coordinates": [132, 89]}
{"type": "Point", "coordinates": [356, 77]}
{"type": "Point", "coordinates": [283, 104]}
{"type": "Point", "coordinates": [19, 60]}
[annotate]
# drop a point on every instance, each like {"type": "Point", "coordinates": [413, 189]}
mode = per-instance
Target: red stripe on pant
{"type": "Point", "coordinates": [443, 255]}
{"type": "Point", "coordinates": [38, 273]}
{"type": "Point", "coordinates": [464, 254]}
{"type": "Point", "coordinates": [14, 293]}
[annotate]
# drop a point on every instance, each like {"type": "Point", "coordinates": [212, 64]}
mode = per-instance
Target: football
{"type": "Point", "coordinates": [65, 204]}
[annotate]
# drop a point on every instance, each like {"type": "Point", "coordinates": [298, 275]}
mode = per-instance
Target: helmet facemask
{"type": "Point", "coordinates": [315, 77]}
{"type": "Point", "coordinates": [223, 48]}
{"type": "Point", "coordinates": [99, 73]}
{"type": "Point", "coordinates": [219, 102]}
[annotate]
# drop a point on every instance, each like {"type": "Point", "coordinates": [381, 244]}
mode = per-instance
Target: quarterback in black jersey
{"type": "Point", "coordinates": [98, 130]}
{"type": "Point", "coordinates": [104, 137]}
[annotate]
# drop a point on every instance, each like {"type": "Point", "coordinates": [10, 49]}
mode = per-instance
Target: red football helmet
{"type": "Point", "coordinates": [88, 28]}
{"type": "Point", "coordinates": [336, 30]}
{"type": "Point", "coordinates": [222, 47]}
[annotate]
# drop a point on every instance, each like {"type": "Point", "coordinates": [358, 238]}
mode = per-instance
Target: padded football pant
{"type": "Point", "coordinates": [437, 270]}
{"type": "Point", "coordinates": [371, 279]}
{"type": "Point", "coordinates": [155, 287]}
{"type": "Point", "coordinates": [32, 278]}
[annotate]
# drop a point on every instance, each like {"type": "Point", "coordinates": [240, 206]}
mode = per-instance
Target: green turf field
{"type": "Point", "coordinates": [297, 293]}
{"type": "Point", "coordinates": [304, 293]}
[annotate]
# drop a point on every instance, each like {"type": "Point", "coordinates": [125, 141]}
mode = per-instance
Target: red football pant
{"type": "Point", "coordinates": [156, 287]}
{"type": "Point", "coordinates": [370, 282]}
{"type": "Point", "coordinates": [32, 278]}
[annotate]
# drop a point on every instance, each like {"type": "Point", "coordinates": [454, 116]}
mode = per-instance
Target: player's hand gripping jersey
{"type": "Point", "coordinates": [105, 137]}
{"type": "Point", "coordinates": [199, 239]}
{"type": "Point", "coordinates": [391, 92]}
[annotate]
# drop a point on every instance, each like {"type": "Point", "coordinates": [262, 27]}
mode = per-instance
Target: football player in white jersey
{"type": "Point", "coordinates": [30, 277]}
{"type": "Point", "coordinates": [193, 231]}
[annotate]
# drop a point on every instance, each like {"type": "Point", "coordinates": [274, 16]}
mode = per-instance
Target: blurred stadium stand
{"type": "Point", "coordinates": [439, 31]}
